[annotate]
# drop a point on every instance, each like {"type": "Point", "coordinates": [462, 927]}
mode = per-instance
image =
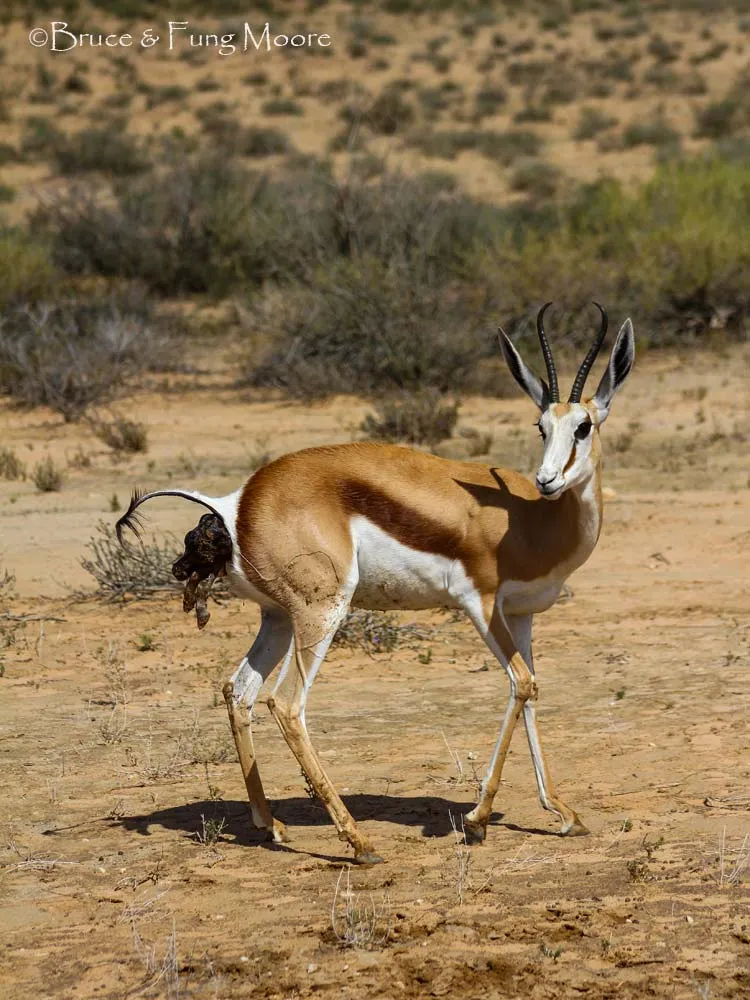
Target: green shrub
{"type": "Point", "coordinates": [673, 251]}
{"type": "Point", "coordinates": [26, 270]}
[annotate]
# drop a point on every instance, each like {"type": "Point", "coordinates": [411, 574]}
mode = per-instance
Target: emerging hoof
{"type": "Point", "coordinates": [575, 829]}
{"type": "Point", "coordinates": [278, 835]}
{"type": "Point", "coordinates": [474, 833]}
{"type": "Point", "coordinates": [367, 858]}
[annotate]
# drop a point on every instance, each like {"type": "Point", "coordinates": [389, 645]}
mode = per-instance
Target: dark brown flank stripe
{"type": "Point", "coordinates": [492, 520]}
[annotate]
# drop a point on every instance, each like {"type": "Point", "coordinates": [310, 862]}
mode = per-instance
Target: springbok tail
{"type": "Point", "coordinates": [131, 519]}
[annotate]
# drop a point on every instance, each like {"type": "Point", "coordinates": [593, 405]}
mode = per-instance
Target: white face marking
{"type": "Point", "coordinates": [393, 575]}
{"type": "Point", "coordinates": [564, 432]}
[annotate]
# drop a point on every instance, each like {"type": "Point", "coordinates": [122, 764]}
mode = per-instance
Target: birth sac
{"type": "Point", "coordinates": [208, 548]}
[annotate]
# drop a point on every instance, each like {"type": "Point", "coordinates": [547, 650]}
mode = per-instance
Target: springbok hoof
{"type": "Point", "coordinates": [474, 833]}
{"type": "Point", "coordinates": [278, 834]}
{"type": "Point", "coordinates": [576, 829]}
{"type": "Point", "coordinates": [367, 858]}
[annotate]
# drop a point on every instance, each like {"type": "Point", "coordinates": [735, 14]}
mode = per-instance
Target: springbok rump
{"type": "Point", "coordinates": [385, 527]}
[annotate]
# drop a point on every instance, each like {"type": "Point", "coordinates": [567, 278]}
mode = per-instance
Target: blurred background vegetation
{"type": "Point", "coordinates": [361, 218]}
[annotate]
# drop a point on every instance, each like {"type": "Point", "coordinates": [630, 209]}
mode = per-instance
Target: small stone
{"type": "Point", "coordinates": [312, 967]}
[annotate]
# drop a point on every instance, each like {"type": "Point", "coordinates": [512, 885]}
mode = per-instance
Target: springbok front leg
{"type": "Point", "coordinates": [495, 631]}
{"type": "Point", "coordinates": [273, 642]}
{"type": "Point", "coordinates": [520, 628]}
{"type": "Point", "coordinates": [287, 706]}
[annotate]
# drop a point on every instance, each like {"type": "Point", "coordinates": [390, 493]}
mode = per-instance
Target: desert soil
{"type": "Point", "coordinates": [118, 878]}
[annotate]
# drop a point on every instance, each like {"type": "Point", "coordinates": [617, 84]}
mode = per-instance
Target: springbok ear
{"type": "Point", "coordinates": [618, 368]}
{"type": "Point", "coordinates": [534, 387]}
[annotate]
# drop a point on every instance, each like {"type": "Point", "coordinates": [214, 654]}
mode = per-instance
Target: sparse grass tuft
{"type": "Point", "coordinates": [47, 476]}
{"type": "Point", "coordinates": [733, 864]}
{"type": "Point", "coordinates": [121, 434]}
{"type": "Point", "coordinates": [376, 632]}
{"type": "Point", "coordinates": [357, 920]}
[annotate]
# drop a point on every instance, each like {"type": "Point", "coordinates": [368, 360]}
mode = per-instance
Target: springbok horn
{"type": "Point", "coordinates": [554, 392]}
{"type": "Point", "coordinates": [588, 361]}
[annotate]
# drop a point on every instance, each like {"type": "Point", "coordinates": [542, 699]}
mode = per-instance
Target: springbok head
{"type": "Point", "coordinates": [570, 431]}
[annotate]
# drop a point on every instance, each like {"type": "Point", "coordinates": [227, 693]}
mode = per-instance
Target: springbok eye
{"type": "Point", "coordinates": [542, 432]}
{"type": "Point", "coordinates": [582, 430]}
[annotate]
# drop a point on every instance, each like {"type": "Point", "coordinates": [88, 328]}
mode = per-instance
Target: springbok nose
{"type": "Point", "coordinates": [543, 479]}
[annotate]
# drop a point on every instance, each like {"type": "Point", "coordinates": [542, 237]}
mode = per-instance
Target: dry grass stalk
{"type": "Point", "coordinates": [358, 922]}
{"type": "Point", "coordinates": [730, 871]}
{"type": "Point", "coordinates": [462, 855]}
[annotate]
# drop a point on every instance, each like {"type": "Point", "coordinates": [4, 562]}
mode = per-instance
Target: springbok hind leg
{"type": "Point", "coordinates": [520, 628]}
{"type": "Point", "coordinates": [287, 705]}
{"type": "Point", "coordinates": [273, 641]}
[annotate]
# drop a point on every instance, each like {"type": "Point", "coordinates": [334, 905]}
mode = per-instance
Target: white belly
{"type": "Point", "coordinates": [392, 575]}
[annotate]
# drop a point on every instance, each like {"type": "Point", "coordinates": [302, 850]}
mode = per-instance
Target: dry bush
{"type": "Point", "coordinates": [11, 466]}
{"type": "Point", "coordinates": [135, 570]}
{"type": "Point", "coordinates": [592, 121]}
{"type": "Point", "coordinates": [421, 417]}
{"type": "Point", "coordinates": [204, 224]}
{"type": "Point", "coordinates": [107, 149]}
{"type": "Point", "coordinates": [75, 354]}
{"type": "Point", "coordinates": [653, 130]}
{"type": "Point", "coordinates": [537, 179]}
{"type": "Point", "coordinates": [377, 632]}
{"type": "Point", "coordinates": [381, 311]}
{"type": "Point", "coordinates": [502, 147]}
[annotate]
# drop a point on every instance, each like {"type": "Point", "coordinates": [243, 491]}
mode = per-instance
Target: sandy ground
{"type": "Point", "coordinates": [129, 867]}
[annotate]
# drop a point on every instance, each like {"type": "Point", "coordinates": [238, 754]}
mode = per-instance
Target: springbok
{"type": "Point", "coordinates": [386, 527]}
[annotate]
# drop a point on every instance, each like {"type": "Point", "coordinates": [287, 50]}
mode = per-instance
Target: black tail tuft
{"type": "Point", "coordinates": [131, 519]}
